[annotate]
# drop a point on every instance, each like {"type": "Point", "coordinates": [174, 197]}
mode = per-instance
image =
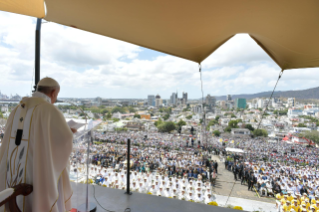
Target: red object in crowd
{"type": "Point", "coordinates": [73, 210]}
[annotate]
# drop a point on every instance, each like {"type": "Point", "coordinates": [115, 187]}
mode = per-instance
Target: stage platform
{"type": "Point", "coordinates": [116, 200]}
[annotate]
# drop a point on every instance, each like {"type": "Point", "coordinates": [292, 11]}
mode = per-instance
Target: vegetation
{"type": "Point", "coordinates": [260, 132]}
{"type": "Point", "coordinates": [281, 112]}
{"type": "Point", "coordinates": [181, 123]}
{"type": "Point", "coordinates": [1, 115]}
{"type": "Point", "coordinates": [158, 122]}
{"type": "Point", "coordinates": [248, 126]}
{"type": "Point", "coordinates": [166, 116]}
{"type": "Point", "coordinates": [216, 133]}
{"type": "Point", "coordinates": [189, 117]}
{"type": "Point", "coordinates": [217, 118]}
{"type": "Point", "coordinates": [233, 124]}
{"type": "Point", "coordinates": [120, 129]}
{"type": "Point", "coordinates": [311, 135]}
{"type": "Point", "coordinates": [118, 109]}
{"type": "Point", "coordinates": [228, 129]}
{"type": "Point", "coordinates": [137, 116]}
{"type": "Point", "coordinates": [232, 115]}
{"type": "Point", "coordinates": [115, 120]}
{"type": "Point", "coordinates": [166, 126]}
{"type": "Point", "coordinates": [301, 125]}
{"type": "Point", "coordinates": [211, 123]}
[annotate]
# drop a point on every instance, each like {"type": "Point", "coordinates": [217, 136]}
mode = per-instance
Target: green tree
{"type": "Point", "coordinates": [166, 116]}
{"type": "Point", "coordinates": [131, 109]}
{"type": "Point", "coordinates": [248, 126]}
{"type": "Point", "coordinates": [216, 133]}
{"type": "Point", "coordinates": [118, 109]}
{"type": "Point", "coordinates": [137, 116]}
{"type": "Point", "coordinates": [227, 129]}
{"type": "Point", "coordinates": [181, 123]}
{"type": "Point", "coordinates": [233, 124]}
{"type": "Point", "coordinates": [158, 122]}
{"type": "Point", "coordinates": [217, 118]}
{"type": "Point", "coordinates": [232, 115]}
{"type": "Point", "coordinates": [211, 123]}
{"type": "Point", "coordinates": [301, 125]}
{"type": "Point", "coordinates": [167, 126]}
{"type": "Point", "coordinates": [189, 117]}
{"type": "Point", "coordinates": [109, 115]}
{"type": "Point", "coordinates": [311, 135]}
{"type": "Point", "coordinates": [260, 132]}
{"type": "Point", "coordinates": [116, 120]}
{"type": "Point", "coordinates": [1, 115]}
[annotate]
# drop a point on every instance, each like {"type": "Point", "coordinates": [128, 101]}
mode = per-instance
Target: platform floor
{"type": "Point", "coordinates": [116, 200]}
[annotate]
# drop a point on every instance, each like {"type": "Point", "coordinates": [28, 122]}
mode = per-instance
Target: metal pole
{"type": "Point", "coordinates": [37, 53]}
{"type": "Point", "coordinates": [128, 167]}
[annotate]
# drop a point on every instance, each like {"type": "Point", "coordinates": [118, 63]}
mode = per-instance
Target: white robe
{"type": "Point", "coordinates": [44, 161]}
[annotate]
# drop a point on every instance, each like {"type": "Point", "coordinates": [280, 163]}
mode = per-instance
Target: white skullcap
{"type": "Point", "coordinates": [48, 82]}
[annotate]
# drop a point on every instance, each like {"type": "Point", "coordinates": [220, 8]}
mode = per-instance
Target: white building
{"type": "Point", "coordinates": [260, 103]}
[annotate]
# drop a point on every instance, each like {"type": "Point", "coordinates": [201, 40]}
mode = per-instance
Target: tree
{"type": "Point", "coordinates": [311, 135]}
{"type": "Point", "coordinates": [232, 115]}
{"type": "Point", "coordinates": [131, 109]}
{"type": "Point", "coordinates": [189, 117]}
{"type": "Point", "coordinates": [260, 132]}
{"type": "Point", "coordinates": [158, 122]}
{"type": "Point", "coordinates": [227, 129]}
{"type": "Point", "coordinates": [216, 133]}
{"type": "Point", "coordinates": [1, 115]}
{"type": "Point", "coordinates": [118, 109]}
{"type": "Point", "coordinates": [248, 126]}
{"type": "Point", "coordinates": [211, 123]}
{"type": "Point", "coordinates": [137, 116]}
{"type": "Point", "coordinates": [301, 125]}
{"type": "Point", "coordinates": [166, 116]}
{"type": "Point", "coordinates": [181, 123]}
{"type": "Point", "coordinates": [116, 120]}
{"type": "Point", "coordinates": [233, 124]}
{"type": "Point", "coordinates": [167, 126]}
{"type": "Point", "coordinates": [109, 115]}
{"type": "Point", "coordinates": [217, 118]}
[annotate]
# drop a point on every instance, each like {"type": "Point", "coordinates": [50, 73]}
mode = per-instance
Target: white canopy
{"type": "Point", "coordinates": [234, 150]}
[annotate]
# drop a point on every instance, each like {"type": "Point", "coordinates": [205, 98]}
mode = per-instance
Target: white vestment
{"type": "Point", "coordinates": [42, 157]}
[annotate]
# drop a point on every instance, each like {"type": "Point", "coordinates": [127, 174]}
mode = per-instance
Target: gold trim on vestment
{"type": "Point", "coordinates": [5, 181]}
{"type": "Point", "coordinates": [58, 191]}
{"type": "Point", "coordinates": [26, 159]}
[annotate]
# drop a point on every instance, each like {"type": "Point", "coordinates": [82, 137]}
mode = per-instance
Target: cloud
{"type": "Point", "coordinates": [90, 65]}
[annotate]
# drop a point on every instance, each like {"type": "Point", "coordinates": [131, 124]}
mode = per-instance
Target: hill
{"type": "Point", "coordinates": [312, 93]}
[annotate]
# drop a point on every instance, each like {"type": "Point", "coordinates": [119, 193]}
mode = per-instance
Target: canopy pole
{"type": "Point", "coordinates": [128, 164]}
{"type": "Point", "coordinates": [37, 53]}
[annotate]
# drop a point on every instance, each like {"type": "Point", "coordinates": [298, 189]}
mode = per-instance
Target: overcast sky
{"type": "Point", "coordinates": [90, 65]}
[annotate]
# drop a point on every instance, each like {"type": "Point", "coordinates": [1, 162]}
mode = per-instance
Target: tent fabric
{"type": "Point", "coordinates": [287, 29]}
{"type": "Point", "coordinates": [33, 8]}
{"type": "Point", "coordinates": [234, 150]}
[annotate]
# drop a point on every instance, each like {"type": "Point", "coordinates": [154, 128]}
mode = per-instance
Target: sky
{"type": "Point", "coordinates": [88, 65]}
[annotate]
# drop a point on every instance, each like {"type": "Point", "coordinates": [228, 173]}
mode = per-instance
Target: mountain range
{"type": "Point", "coordinates": [311, 93]}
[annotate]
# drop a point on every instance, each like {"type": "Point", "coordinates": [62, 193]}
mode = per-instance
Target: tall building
{"type": "Point", "coordinates": [291, 102]}
{"type": "Point", "coordinates": [173, 99]}
{"type": "Point", "coordinates": [185, 98]}
{"type": "Point", "coordinates": [158, 101]}
{"type": "Point", "coordinates": [260, 103]}
{"type": "Point", "coordinates": [210, 103]}
{"type": "Point", "coordinates": [151, 100]}
{"type": "Point", "coordinates": [241, 103]}
{"type": "Point", "coordinates": [228, 97]}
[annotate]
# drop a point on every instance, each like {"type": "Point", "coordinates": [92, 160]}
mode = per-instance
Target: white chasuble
{"type": "Point", "coordinates": [36, 147]}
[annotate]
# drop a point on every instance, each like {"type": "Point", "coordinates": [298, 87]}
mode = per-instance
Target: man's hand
{"type": "Point", "coordinates": [73, 130]}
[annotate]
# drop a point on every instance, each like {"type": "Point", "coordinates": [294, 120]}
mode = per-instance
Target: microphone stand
{"type": "Point", "coordinates": [87, 206]}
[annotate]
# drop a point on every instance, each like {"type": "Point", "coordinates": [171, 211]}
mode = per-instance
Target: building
{"type": "Point", "coordinates": [292, 113]}
{"type": "Point", "coordinates": [173, 99]}
{"type": "Point", "coordinates": [291, 102]}
{"type": "Point", "coordinates": [228, 97]}
{"type": "Point", "coordinates": [185, 97]}
{"type": "Point", "coordinates": [198, 109]}
{"type": "Point", "coordinates": [210, 103]}
{"type": "Point", "coordinates": [260, 103]}
{"type": "Point", "coordinates": [151, 100]}
{"type": "Point", "coordinates": [241, 103]}
{"type": "Point", "coordinates": [158, 101]}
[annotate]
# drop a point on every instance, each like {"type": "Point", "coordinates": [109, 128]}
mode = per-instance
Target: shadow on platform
{"type": "Point", "coordinates": [116, 200]}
